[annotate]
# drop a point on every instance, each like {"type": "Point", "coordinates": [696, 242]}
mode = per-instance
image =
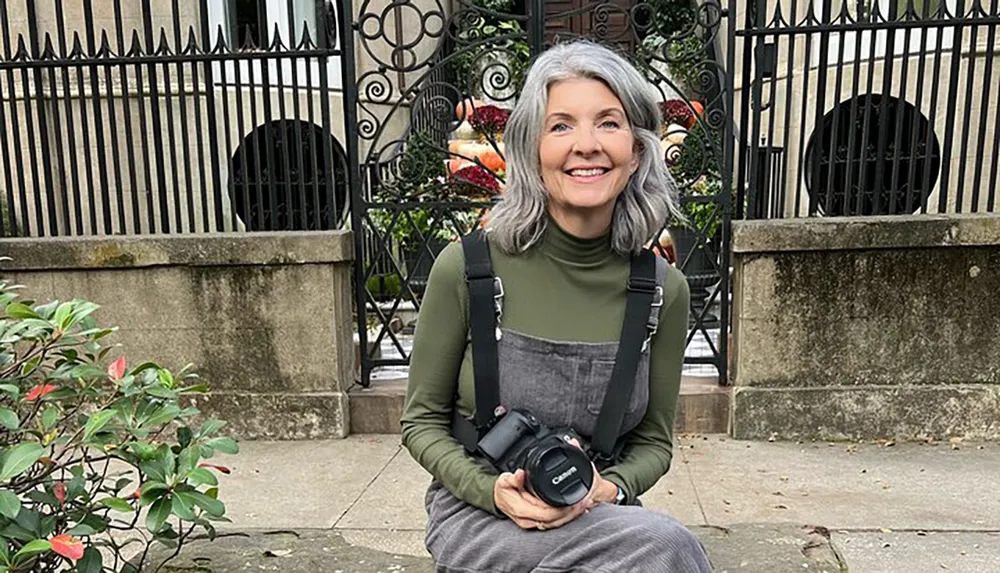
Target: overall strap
{"type": "Point", "coordinates": [485, 296]}
{"type": "Point", "coordinates": [643, 294]}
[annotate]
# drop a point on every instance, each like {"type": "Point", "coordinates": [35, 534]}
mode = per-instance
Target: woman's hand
{"type": "Point", "coordinates": [512, 497]}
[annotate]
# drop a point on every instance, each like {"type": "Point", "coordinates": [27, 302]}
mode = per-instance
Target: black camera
{"type": "Point", "coordinates": [558, 472]}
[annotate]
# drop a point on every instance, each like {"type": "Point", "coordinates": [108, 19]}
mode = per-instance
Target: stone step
{"type": "Point", "coordinates": [703, 407]}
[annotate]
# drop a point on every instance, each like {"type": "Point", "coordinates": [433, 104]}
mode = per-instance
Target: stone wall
{"type": "Point", "coordinates": [861, 328]}
{"type": "Point", "coordinates": [265, 318]}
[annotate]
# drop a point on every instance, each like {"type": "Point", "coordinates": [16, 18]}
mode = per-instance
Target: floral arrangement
{"type": "Point", "coordinates": [476, 175]}
{"type": "Point", "coordinates": [489, 120]}
{"type": "Point", "coordinates": [678, 112]}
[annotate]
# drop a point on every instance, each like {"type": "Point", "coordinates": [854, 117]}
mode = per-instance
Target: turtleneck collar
{"type": "Point", "coordinates": [565, 247]}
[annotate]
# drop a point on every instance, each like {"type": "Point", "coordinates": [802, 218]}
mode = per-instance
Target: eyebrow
{"type": "Point", "coordinates": [602, 113]}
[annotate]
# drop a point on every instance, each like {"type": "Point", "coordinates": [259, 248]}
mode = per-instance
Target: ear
{"type": "Point", "coordinates": [633, 164]}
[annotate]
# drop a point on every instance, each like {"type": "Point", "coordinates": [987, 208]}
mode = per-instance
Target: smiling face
{"type": "Point", "coordinates": [587, 154]}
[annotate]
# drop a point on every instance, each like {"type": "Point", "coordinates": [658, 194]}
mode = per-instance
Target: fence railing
{"type": "Point", "coordinates": [142, 116]}
{"type": "Point", "coordinates": [874, 107]}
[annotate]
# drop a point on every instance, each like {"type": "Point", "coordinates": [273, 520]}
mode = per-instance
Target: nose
{"type": "Point", "coordinates": [586, 142]}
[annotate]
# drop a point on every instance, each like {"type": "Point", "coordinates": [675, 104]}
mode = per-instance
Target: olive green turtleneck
{"type": "Point", "coordinates": [565, 289]}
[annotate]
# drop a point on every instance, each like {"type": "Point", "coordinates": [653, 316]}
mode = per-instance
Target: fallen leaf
{"type": "Point", "coordinates": [885, 545]}
{"type": "Point", "coordinates": [117, 369]}
{"type": "Point", "coordinates": [781, 506]}
{"type": "Point", "coordinates": [39, 391]}
{"type": "Point", "coordinates": [726, 501]}
{"type": "Point", "coordinates": [67, 546]}
{"type": "Point", "coordinates": [277, 553]}
{"type": "Point", "coordinates": [777, 493]}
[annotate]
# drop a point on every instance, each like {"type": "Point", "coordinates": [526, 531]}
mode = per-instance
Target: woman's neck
{"type": "Point", "coordinates": [585, 224]}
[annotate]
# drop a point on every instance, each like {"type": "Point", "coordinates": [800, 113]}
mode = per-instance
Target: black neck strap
{"type": "Point", "coordinates": [483, 324]}
{"type": "Point", "coordinates": [641, 291]}
{"type": "Point", "coordinates": [483, 313]}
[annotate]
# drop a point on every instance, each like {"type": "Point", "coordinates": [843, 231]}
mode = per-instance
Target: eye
{"type": "Point", "coordinates": [610, 124]}
{"type": "Point", "coordinates": [559, 127]}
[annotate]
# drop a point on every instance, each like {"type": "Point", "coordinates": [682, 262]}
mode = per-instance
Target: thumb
{"type": "Point", "coordinates": [519, 476]}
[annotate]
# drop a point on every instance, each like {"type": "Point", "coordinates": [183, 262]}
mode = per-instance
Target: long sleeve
{"type": "Point", "coordinates": [649, 447]}
{"type": "Point", "coordinates": [439, 346]}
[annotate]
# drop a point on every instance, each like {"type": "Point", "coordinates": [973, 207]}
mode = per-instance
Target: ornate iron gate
{"type": "Point", "coordinates": [433, 82]}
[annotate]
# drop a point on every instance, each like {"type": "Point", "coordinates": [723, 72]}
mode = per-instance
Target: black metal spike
{"type": "Point", "coordinates": [22, 52]}
{"type": "Point", "coordinates": [221, 45]}
{"type": "Point", "coordinates": [164, 48]}
{"type": "Point", "coordinates": [307, 42]}
{"type": "Point", "coordinates": [77, 51]}
{"type": "Point", "coordinates": [135, 50]}
{"type": "Point", "coordinates": [192, 44]}
{"type": "Point", "coordinates": [48, 51]}
{"type": "Point", "coordinates": [105, 50]}
{"type": "Point", "coordinates": [277, 44]}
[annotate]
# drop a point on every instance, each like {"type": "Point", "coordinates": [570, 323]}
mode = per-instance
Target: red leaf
{"type": "Point", "coordinates": [67, 546]}
{"type": "Point", "coordinates": [39, 391]}
{"type": "Point", "coordinates": [59, 490]}
{"type": "Point", "coordinates": [222, 469]}
{"type": "Point", "coordinates": [117, 369]}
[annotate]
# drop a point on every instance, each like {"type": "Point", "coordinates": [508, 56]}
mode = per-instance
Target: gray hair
{"type": "Point", "coordinates": [518, 220]}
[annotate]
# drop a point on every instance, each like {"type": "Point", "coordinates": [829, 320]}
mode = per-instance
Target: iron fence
{"type": "Point", "coordinates": [878, 107]}
{"type": "Point", "coordinates": [157, 116]}
{"type": "Point", "coordinates": [431, 157]}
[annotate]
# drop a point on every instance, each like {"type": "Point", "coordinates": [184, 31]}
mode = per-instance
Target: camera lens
{"type": "Point", "coordinates": [560, 474]}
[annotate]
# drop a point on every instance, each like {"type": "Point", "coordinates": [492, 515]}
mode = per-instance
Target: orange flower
{"type": "Point", "coordinates": [67, 546]}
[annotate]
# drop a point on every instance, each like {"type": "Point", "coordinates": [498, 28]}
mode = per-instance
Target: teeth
{"type": "Point", "coordinates": [586, 172]}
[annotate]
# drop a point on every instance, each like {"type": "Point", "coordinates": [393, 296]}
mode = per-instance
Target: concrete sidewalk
{"type": "Point", "coordinates": [356, 505]}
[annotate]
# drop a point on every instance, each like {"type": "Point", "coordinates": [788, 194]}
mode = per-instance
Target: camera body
{"type": "Point", "coordinates": [558, 472]}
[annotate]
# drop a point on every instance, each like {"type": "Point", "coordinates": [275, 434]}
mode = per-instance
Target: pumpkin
{"type": "Point", "coordinates": [465, 107]}
{"type": "Point", "coordinates": [492, 161]}
{"type": "Point", "coordinates": [697, 107]}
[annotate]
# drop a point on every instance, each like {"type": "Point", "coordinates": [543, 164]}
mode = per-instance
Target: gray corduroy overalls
{"type": "Point", "coordinates": [562, 384]}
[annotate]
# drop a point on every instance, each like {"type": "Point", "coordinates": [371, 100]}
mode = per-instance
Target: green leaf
{"type": "Point", "coordinates": [118, 504]}
{"type": "Point", "coordinates": [92, 561]}
{"type": "Point", "coordinates": [8, 419]}
{"type": "Point", "coordinates": [81, 529]}
{"type": "Point", "coordinates": [4, 551]}
{"type": "Point", "coordinates": [188, 459]}
{"type": "Point", "coordinates": [9, 503]}
{"type": "Point", "coordinates": [201, 476]}
{"type": "Point", "coordinates": [29, 366]}
{"type": "Point", "coordinates": [225, 445]}
{"type": "Point", "coordinates": [164, 415]}
{"type": "Point", "coordinates": [210, 427]}
{"type": "Point", "coordinates": [161, 392]}
{"type": "Point", "coordinates": [158, 514]}
{"type": "Point", "coordinates": [165, 378]}
{"type": "Point", "coordinates": [96, 423]}
{"type": "Point", "coordinates": [62, 315]}
{"type": "Point", "coordinates": [10, 389]}
{"type": "Point", "coordinates": [50, 417]}
{"type": "Point", "coordinates": [211, 506]}
{"type": "Point", "coordinates": [21, 310]}
{"type": "Point", "coordinates": [212, 492]}
{"type": "Point", "coordinates": [18, 459]}
{"type": "Point", "coordinates": [184, 436]}
{"type": "Point", "coordinates": [32, 548]}
{"type": "Point", "coordinates": [152, 491]}
{"type": "Point", "coordinates": [183, 506]}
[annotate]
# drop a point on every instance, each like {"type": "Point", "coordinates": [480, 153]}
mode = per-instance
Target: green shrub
{"type": "Point", "coordinates": [84, 446]}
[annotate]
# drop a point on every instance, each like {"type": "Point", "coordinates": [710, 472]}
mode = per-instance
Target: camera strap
{"type": "Point", "coordinates": [485, 295]}
{"type": "Point", "coordinates": [643, 299]}
{"type": "Point", "coordinates": [642, 304]}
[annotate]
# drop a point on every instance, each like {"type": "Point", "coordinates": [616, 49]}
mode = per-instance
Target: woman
{"type": "Point", "coordinates": [587, 188]}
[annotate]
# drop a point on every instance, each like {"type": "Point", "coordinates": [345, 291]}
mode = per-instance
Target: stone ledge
{"type": "Point", "coordinates": [865, 233]}
{"type": "Point", "coordinates": [286, 416]}
{"type": "Point", "coordinates": [216, 249]}
{"type": "Point", "coordinates": [867, 413]}
{"type": "Point", "coordinates": [746, 547]}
